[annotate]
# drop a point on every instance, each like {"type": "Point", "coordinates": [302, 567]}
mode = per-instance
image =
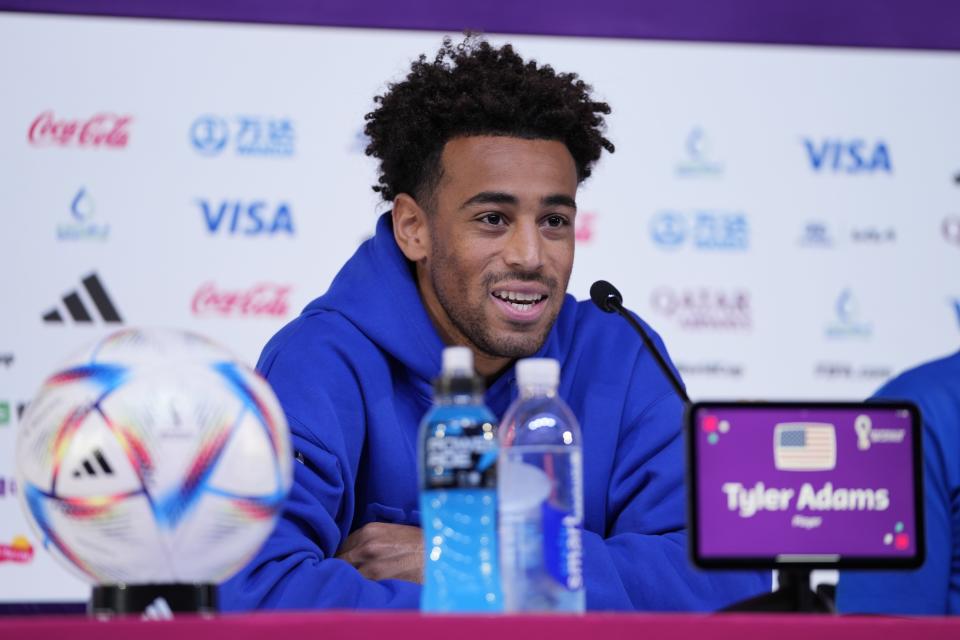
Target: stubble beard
{"type": "Point", "coordinates": [469, 318]}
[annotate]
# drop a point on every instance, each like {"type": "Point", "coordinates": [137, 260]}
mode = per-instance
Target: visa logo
{"type": "Point", "coordinates": [848, 156]}
{"type": "Point", "coordinates": [246, 218]}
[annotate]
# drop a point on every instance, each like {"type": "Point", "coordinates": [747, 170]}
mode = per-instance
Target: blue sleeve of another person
{"type": "Point", "coordinates": [934, 588]}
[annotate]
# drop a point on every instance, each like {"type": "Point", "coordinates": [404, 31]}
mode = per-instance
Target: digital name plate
{"type": "Point", "coordinates": [805, 484]}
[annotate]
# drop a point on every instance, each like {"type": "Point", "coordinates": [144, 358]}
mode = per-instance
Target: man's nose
{"type": "Point", "coordinates": [524, 248]}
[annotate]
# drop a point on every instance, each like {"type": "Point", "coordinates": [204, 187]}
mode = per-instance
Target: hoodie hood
{"type": "Point", "coordinates": [376, 291]}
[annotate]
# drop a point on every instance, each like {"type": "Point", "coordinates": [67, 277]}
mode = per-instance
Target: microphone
{"type": "Point", "coordinates": [609, 300]}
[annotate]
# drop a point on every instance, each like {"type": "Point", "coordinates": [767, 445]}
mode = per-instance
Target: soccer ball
{"type": "Point", "coordinates": [154, 458]}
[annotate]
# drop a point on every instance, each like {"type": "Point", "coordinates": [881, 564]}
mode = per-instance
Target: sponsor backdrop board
{"type": "Point", "coordinates": [787, 218]}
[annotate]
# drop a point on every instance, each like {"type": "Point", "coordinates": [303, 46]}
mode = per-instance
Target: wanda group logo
{"type": "Point", "coordinates": [263, 299]}
{"type": "Point", "coordinates": [102, 130]}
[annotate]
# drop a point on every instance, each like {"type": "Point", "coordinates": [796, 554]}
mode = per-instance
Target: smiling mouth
{"type": "Point", "coordinates": [520, 302]}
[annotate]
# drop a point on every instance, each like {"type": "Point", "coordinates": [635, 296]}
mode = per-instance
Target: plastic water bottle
{"type": "Point", "coordinates": [458, 494]}
{"type": "Point", "coordinates": [541, 496]}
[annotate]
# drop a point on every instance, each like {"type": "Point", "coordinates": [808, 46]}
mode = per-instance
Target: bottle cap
{"type": "Point", "coordinates": [457, 362]}
{"type": "Point", "coordinates": [457, 375]}
{"type": "Point", "coordinates": [541, 372]}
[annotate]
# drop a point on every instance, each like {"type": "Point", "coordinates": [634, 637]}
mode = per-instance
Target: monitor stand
{"type": "Point", "coordinates": [793, 595]}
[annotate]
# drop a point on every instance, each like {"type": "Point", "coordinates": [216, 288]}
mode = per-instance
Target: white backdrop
{"type": "Point", "coordinates": [787, 218]}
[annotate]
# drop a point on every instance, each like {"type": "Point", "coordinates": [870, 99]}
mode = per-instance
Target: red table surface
{"type": "Point", "coordinates": [413, 626]}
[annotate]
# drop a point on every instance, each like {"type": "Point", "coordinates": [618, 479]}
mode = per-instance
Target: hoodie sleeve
{"type": "Point", "coordinates": [296, 568]}
{"type": "Point", "coordinates": [924, 591]}
{"type": "Point", "coordinates": [643, 563]}
{"type": "Point", "coordinates": [934, 588]}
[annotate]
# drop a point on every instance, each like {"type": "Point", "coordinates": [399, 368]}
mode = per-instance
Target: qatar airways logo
{"type": "Point", "coordinates": [265, 299]}
{"type": "Point", "coordinates": [102, 130]}
{"type": "Point", "coordinates": [704, 308]}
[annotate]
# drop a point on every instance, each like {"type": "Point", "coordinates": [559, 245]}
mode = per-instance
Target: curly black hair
{"type": "Point", "coordinates": [473, 88]}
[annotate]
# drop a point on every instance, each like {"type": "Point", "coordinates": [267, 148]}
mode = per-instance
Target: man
{"type": "Point", "coordinates": [480, 155]}
{"type": "Point", "coordinates": [934, 588]}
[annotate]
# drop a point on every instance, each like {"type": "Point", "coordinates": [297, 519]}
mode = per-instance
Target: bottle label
{"type": "Point", "coordinates": [461, 568]}
{"type": "Point", "coordinates": [461, 457]}
{"type": "Point", "coordinates": [563, 546]}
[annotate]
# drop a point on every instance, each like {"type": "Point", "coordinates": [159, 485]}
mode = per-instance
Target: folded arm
{"type": "Point", "coordinates": [297, 567]}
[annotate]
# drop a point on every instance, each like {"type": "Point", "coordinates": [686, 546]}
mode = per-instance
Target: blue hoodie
{"type": "Point", "coordinates": [934, 588]}
{"type": "Point", "coordinates": [353, 373]}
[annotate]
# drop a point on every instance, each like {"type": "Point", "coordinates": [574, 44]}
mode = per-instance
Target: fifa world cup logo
{"type": "Point", "coordinates": [863, 426]}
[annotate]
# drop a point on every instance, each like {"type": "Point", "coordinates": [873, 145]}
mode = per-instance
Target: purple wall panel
{"type": "Point", "coordinates": [916, 24]}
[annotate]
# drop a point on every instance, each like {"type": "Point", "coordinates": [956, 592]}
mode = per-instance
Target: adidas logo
{"type": "Point", "coordinates": [79, 311]}
{"type": "Point", "coordinates": [88, 466]}
{"type": "Point", "coordinates": [159, 609]}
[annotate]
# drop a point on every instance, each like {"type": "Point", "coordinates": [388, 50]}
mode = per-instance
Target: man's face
{"type": "Point", "coordinates": [501, 242]}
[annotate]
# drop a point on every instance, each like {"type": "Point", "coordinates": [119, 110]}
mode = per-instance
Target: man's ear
{"type": "Point", "coordinates": [410, 228]}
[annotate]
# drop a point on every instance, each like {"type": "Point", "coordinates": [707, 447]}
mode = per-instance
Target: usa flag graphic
{"type": "Point", "coordinates": [804, 446]}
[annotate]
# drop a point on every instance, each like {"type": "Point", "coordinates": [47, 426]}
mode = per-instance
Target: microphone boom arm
{"type": "Point", "coordinates": [653, 349]}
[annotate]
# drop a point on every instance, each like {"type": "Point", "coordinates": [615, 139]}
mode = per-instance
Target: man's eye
{"type": "Point", "coordinates": [557, 221]}
{"type": "Point", "coordinates": [494, 219]}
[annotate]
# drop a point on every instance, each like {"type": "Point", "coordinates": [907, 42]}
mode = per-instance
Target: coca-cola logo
{"type": "Point", "coordinates": [100, 130]}
{"type": "Point", "coordinates": [263, 299]}
{"type": "Point", "coordinates": [586, 230]}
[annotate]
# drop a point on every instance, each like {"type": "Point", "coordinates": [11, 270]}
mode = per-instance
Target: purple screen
{"type": "Point", "coordinates": [774, 482]}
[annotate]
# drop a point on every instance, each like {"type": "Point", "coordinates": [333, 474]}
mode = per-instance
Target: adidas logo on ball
{"type": "Point", "coordinates": [96, 465]}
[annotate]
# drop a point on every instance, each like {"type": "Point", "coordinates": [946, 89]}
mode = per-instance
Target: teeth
{"type": "Point", "coordinates": [514, 296]}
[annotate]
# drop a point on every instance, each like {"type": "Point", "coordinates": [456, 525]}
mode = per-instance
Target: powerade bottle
{"type": "Point", "coordinates": [458, 493]}
{"type": "Point", "coordinates": [541, 496]}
